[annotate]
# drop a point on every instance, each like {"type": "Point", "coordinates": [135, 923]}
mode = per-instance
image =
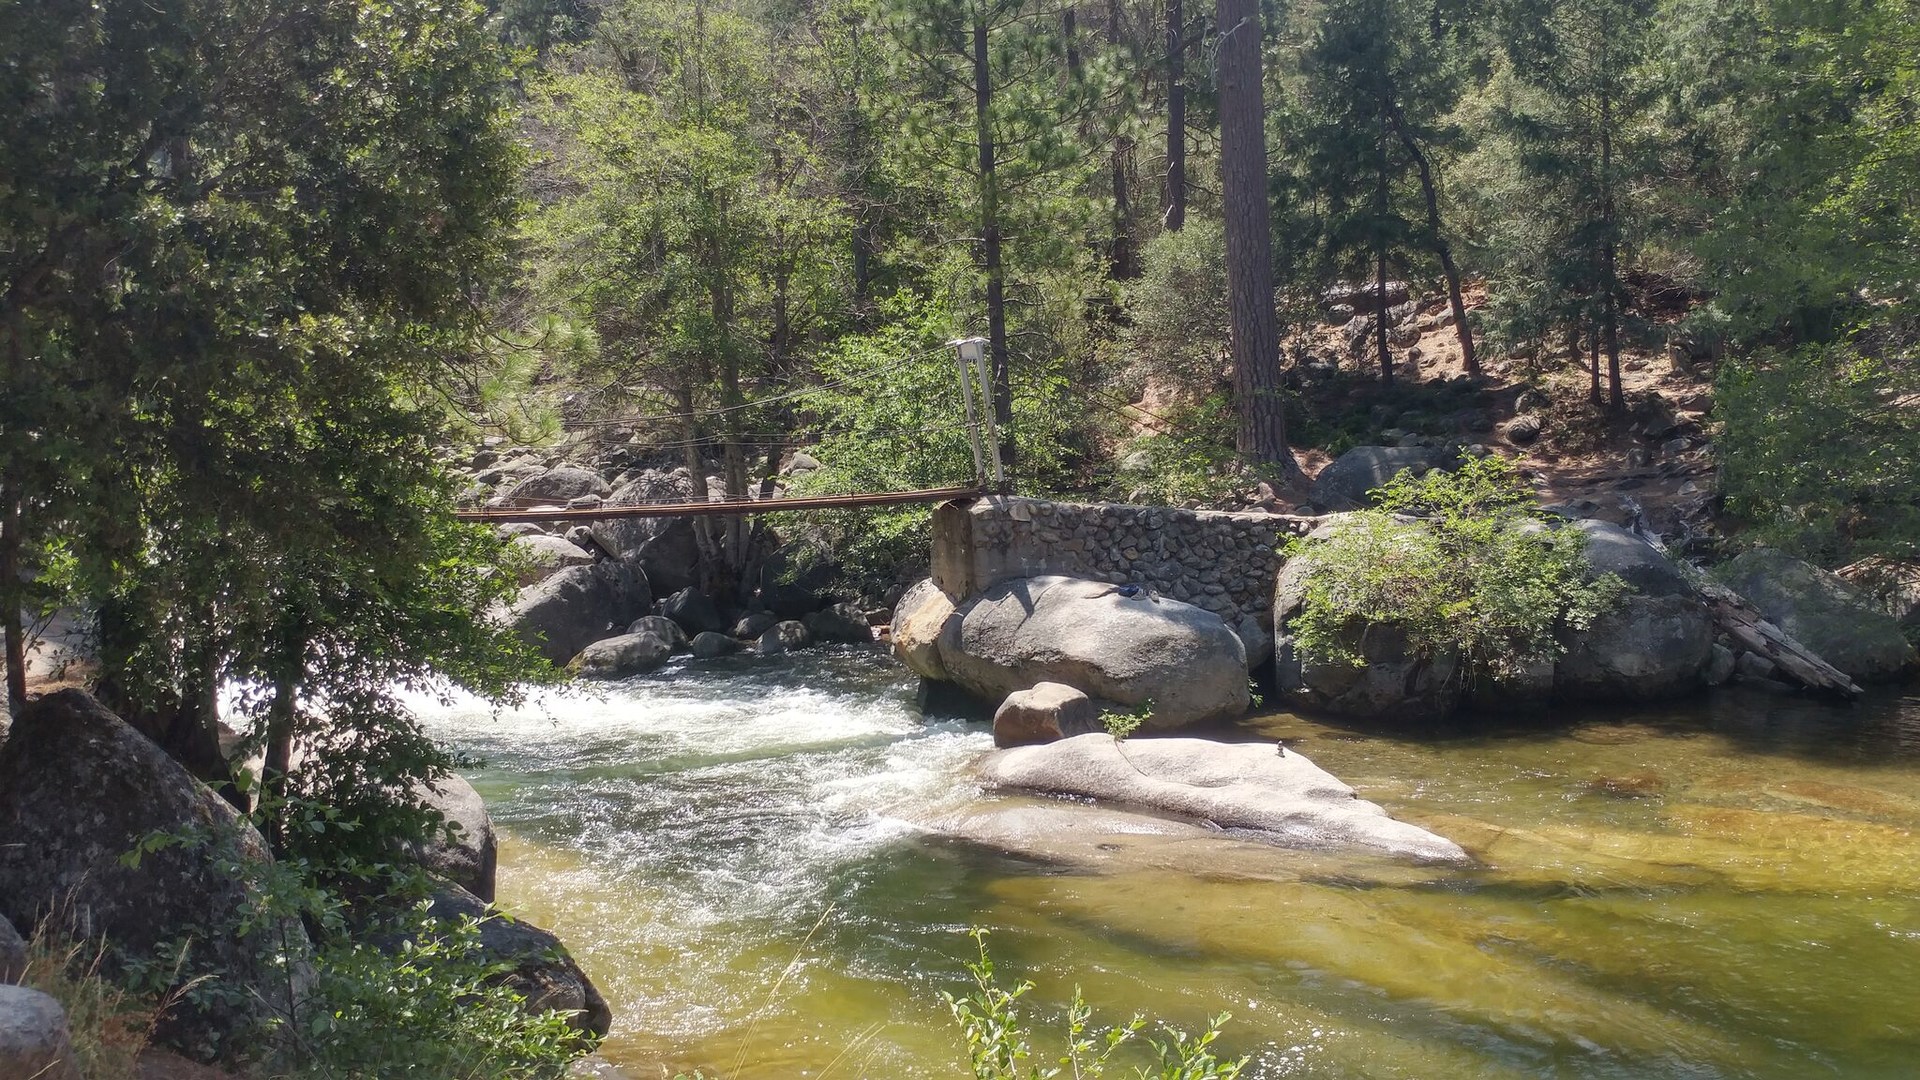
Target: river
{"type": "Point", "coordinates": [1725, 888]}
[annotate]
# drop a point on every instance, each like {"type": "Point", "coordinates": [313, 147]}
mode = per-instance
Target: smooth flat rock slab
{"type": "Point", "coordinates": [1251, 786]}
{"type": "Point", "coordinates": [1105, 840]}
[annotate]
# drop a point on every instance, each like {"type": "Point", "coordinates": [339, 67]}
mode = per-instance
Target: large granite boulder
{"type": "Point", "coordinates": [1822, 612]}
{"type": "Point", "coordinates": [537, 965]}
{"type": "Point", "coordinates": [795, 580]}
{"type": "Point", "coordinates": [1890, 585]}
{"type": "Point", "coordinates": [35, 1043]}
{"type": "Point", "coordinates": [1255, 786]}
{"type": "Point", "coordinates": [580, 605]}
{"type": "Point", "coordinates": [619, 657]}
{"type": "Point", "coordinates": [1046, 713]}
{"type": "Point", "coordinates": [1120, 644]}
{"type": "Point", "coordinates": [919, 621]}
{"type": "Point", "coordinates": [558, 486]}
{"type": "Point", "coordinates": [79, 789]}
{"type": "Point", "coordinates": [1344, 484]}
{"type": "Point", "coordinates": [13, 953]}
{"type": "Point", "coordinates": [665, 547]}
{"type": "Point", "coordinates": [841, 623]}
{"type": "Point", "coordinates": [465, 852]}
{"type": "Point", "coordinates": [1391, 682]}
{"type": "Point", "coordinates": [548, 555]}
{"type": "Point", "coordinates": [662, 627]}
{"type": "Point", "coordinates": [708, 645]}
{"type": "Point", "coordinates": [672, 557]}
{"type": "Point", "coordinates": [783, 637]}
{"type": "Point", "coordinates": [694, 611]}
{"type": "Point", "coordinates": [1655, 643]}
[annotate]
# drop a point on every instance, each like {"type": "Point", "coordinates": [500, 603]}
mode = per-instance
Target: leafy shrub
{"type": "Point", "coordinates": [1820, 451]}
{"type": "Point", "coordinates": [1188, 457]}
{"type": "Point", "coordinates": [1461, 563]}
{"type": "Point", "coordinates": [1179, 309]}
{"type": "Point", "coordinates": [1000, 1045]}
{"type": "Point", "coordinates": [388, 990]}
{"type": "Point", "coordinates": [1121, 723]}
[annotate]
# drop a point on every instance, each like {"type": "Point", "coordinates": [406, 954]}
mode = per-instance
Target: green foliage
{"type": "Point", "coordinates": [386, 991]}
{"type": "Point", "coordinates": [1835, 477]}
{"type": "Point", "coordinates": [1000, 1045]}
{"type": "Point", "coordinates": [1477, 573]}
{"type": "Point", "coordinates": [431, 1008]}
{"type": "Point", "coordinates": [1121, 723]}
{"type": "Point", "coordinates": [891, 418]}
{"type": "Point", "coordinates": [1188, 455]}
{"type": "Point", "coordinates": [1178, 310]}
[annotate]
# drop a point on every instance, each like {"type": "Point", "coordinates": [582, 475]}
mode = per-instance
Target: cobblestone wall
{"type": "Point", "coordinates": [1225, 563]}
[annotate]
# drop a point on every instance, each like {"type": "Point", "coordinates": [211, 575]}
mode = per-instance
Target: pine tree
{"type": "Point", "coordinates": [1262, 427]}
{"type": "Point", "coordinates": [1573, 107]}
{"type": "Point", "coordinates": [1376, 83]}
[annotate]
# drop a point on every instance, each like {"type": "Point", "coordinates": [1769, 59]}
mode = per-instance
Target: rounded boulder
{"type": "Point", "coordinates": [1120, 644]}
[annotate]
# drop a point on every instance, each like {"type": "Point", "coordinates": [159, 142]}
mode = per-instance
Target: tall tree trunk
{"type": "Point", "coordinates": [703, 537]}
{"type": "Point", "coordinates": [1380, 206]}
{"type": "Point", "coordinates": [1438, 238]}
{"type": "Point", "coordinates": [1593, 363]}
{"type": "Point", "coordinates": [990, 259]}
{"type": "Point", "coordinates": [1174, 215]}
{"type": "Point", "coordinates": [1609, 256]}
{"type": "Point", "coordinates": [1123, 257]}
{"type": "Point", "coordinates": [12, 515]}
{"type": "Point", "coordinates": [1262, 428]}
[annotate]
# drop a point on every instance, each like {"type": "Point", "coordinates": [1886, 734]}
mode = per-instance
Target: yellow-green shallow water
{"type": "Point", "coordinates": [1725, 888]}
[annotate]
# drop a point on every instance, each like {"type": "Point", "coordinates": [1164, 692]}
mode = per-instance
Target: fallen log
{"type": "Point", "coordinates": [1743, 622]}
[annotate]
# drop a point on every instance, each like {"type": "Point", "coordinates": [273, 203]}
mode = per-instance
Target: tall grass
{"type": "Point", "coordinates": [110, 1025]}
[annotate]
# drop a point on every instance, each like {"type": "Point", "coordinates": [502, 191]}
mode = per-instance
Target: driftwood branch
{"type": "Point", "coordinates": [1742, 622]}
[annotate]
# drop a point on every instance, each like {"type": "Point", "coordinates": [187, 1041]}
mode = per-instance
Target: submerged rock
{"type": "Point", "coordinates": [1821, 611]}
{"type": "Point", "coordinates": [1120, 644]}
{"type": "Point", "coordinates": [1254, 786]}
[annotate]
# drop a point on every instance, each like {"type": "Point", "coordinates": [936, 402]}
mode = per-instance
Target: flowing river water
{"type": "Point", "coordinates": [1724, 888]}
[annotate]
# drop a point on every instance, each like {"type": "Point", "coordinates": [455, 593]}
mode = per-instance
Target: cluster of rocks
{"type": "Point", "coordinates": [620, 596]}
{"type": "Point", "coordinates": [1660, 640]}
{"type": "Point", "coordinates": [1129, 605]}
{"type": "Point", "coordinates": [1122, 645]}
{"type": "Point", "coordinates": [63, 871]}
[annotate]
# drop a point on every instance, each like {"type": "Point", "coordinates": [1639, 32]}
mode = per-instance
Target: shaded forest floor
{"type": "Point", "coordinates": [1654, 462]}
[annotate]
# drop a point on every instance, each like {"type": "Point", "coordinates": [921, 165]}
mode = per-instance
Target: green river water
{"type": "Point", "coordinates": [1724, 888]}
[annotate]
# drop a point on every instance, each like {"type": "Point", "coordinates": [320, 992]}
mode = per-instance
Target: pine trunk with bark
{"type": "Point", "coordinates": [1262, 427]}
{"type": "Point", "coordinates": [990, 256]}
{"type": "Point", "coordinates": [1174, 215]}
